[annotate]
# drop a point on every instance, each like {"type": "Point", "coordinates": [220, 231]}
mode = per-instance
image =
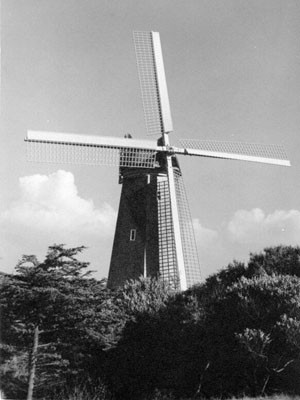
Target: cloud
{"type": "Point", "coordinates": [246, 231]}
{"type": "Point", "coordinates": [50, 210]}
{"type": "Point", "coordinates": [51, 204]}
{"type": "Point", "coordinates": [254, 226]}
{"type": "Point", "coordinates": [204, 236]}
{"type": "Point", "coordinates": [208, 244]}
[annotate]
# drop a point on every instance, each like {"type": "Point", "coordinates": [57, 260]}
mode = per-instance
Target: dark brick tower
{"type": "Point", "coordinates": [136, 249]}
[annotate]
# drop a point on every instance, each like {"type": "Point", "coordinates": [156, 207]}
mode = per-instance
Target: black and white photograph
{"type": "Point", "coordinates": [150, 202]}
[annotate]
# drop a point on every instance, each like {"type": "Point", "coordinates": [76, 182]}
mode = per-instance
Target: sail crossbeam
{"type": "Point", "coordinates": [52, 147]}
{"type": "Point", "coordinates": [253, 152]}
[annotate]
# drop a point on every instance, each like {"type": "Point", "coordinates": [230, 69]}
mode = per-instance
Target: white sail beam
{"type": "Point", "coordinates": [153, 82]}
{"type": "Point", "coordinates": [255, 152]}
{"type": "Point", "coordinates": [176, 225]}
{"type": "Point", "coordinates": [266, 154]}
{"type": "Point", "coordinates": [54, 147]}
{"type": "Point", "coordinates": [88, 140]}
{"type": "Point", "coordinates": [232, 156]}
{"type": "Point", "coordinates": [162, 84]}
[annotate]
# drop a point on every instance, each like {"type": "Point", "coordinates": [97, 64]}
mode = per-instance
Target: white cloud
{"type": "Point", "coordinates": [49, 210]}
{"type": "Point", "coordinates": [49, 204]}
{"type": "Point", "coordinates": [204, 236]}
{"type": "Point", "coordinates": [247, 231]}
{"type": "Point", "coordinates": [208, 244]}
{"type": "Point", "coordinates": [254, 226]}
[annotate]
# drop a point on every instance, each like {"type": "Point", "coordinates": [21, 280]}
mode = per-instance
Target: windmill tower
{"type": "Point", "coordinates": [154, 233]}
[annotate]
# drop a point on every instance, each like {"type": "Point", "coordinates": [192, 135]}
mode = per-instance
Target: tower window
{"type": "Point", "coordinates": [132, 235]}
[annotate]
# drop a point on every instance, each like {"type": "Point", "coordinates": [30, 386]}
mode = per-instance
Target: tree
{"type": "Point", "coordinates": [48, 309]}
{"type": "Point", "coordinates": [283, 260]}
{"type": "Point", "coordinates": [235, 334]}
{"type": "Point", "coordinates": [251, 317]}
{"type": "Point", "coordinates": [257, 307]}
{"type": "Point", "coordinates": [154, 348]}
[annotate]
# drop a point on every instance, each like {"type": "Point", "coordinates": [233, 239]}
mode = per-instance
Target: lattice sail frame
{"type": "Point", "coordinates": [189, 247]}
{"type": "Point", "coordinates": [90, 155]}
{"type": "Point", "coordinates": [168, 266]}
{"type": "Point", "coordinates": [54, 147]}
{"type": "Point", "coordinates": [273, 151]}
{"type": "Point", "coordinates": [153, 82]}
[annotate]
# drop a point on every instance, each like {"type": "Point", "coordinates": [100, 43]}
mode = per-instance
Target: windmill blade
{"type": "Point", "coordinates": [174, 206]}
{"type": "Point", "coordinates": [189, 247]}
{"type": "Point", "coordinates": [90, 150]}
{"type": "Point", "coordinates": [168, 269]}
{"type": "Point", "coordinates": [168, 265]}
{"type": "Point", "coordinates": [255, 152]}
{"type": "Point", "coordinates": [153, 83]}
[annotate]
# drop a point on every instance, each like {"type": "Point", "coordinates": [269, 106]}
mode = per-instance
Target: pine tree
{"type": "Point", "coordinates": [49, 321]}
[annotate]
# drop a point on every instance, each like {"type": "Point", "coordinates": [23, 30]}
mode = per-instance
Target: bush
{"type": "Point", "coordinates": [236, 334]}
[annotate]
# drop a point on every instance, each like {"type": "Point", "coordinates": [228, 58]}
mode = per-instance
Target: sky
{"type": "Point", "coordinates": [232, 70]}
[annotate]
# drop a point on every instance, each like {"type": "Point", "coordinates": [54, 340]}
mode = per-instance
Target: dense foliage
{"type": "Point", "coordinates": [236, 334]}
{"type": "Point", "coordinates": [54, 305]}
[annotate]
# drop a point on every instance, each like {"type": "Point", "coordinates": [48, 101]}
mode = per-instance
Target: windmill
{"type": "Point", "coordinates": [154, 233]}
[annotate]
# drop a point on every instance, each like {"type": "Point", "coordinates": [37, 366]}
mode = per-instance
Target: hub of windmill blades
{"type": "Point", "coordinates": [154, 234]}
